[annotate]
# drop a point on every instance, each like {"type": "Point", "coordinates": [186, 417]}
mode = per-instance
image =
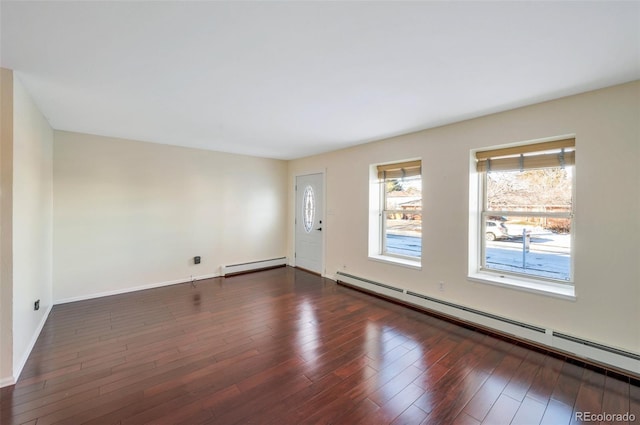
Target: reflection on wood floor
{"type": "Point", "coordinates": [287, 347]}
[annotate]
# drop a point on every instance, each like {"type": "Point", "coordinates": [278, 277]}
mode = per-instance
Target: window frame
{"type": "Point", "coordinates": [377, 216]}
{"type": "Point", "coordinates": [478, 272]}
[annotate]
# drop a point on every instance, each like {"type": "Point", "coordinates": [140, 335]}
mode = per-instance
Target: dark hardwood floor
{"type": "Point", "coordinates": [287, 347]}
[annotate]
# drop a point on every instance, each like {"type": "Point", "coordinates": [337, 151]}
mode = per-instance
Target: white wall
{"type": "Point", "coordinates": [130, 214]}
{"type": "Point", "coordinates": [32, 222]}
{"type": "Point", "coordinates": [607, 223]}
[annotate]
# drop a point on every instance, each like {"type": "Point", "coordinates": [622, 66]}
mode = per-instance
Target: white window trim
{"type": "Point", "coordinates": [557, 290]}
{"type": "Point", "coordinates": [398, 261]}
{"type": "Point", "coordinates": [495, 277]}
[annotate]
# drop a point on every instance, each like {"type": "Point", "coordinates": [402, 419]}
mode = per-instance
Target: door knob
{"type": "Point", "coordinates": [319, 228]}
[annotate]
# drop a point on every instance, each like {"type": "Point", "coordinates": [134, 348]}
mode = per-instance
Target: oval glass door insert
{"type": "Point", "coordinates": [308, 208]}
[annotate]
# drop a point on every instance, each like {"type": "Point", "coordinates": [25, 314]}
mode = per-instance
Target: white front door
{"type": "Point", "coordinates": [309, 222]}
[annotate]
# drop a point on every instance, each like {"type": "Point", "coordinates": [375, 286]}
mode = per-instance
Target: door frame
{"type": "Point", "coordinates": [323, 172]}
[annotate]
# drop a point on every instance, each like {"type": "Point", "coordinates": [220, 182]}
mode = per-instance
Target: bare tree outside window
{"type": "Point", "coordinates": [533, 208]}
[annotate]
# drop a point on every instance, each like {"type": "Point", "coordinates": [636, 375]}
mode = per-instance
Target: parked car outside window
{"type": "Point", "coordinates": [496, 230]}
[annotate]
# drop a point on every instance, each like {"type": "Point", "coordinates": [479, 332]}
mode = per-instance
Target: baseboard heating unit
{"type": "Point", "coordinates": [588, 351]}
{"type": "Point", "coordinates": [233, 269]}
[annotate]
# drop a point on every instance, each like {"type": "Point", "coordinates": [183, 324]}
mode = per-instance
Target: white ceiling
{"type": "Point", "coordinates": [290, 79]}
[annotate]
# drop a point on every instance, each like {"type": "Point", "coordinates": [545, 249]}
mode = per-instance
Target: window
{"type": "Point", "coordinates": [399, 210]}
{"type": "Point", "coordinates": [526, 210]}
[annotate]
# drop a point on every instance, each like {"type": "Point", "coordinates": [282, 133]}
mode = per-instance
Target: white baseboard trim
{"type": "Point", "coordinates": [134, 289]}
{"type": "Point", "coordinates": [17, 368]}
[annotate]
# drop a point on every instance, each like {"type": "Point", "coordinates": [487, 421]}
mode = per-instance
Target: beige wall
{"type": "Point", "coordinates": [129, 214]}
{"type": "Point", "coordinates": [25, 226]}
{"type": "Point", "coordinates": [32, 222]}
{"type": "Point", "coordinates": [6, 227]}
{"type": "Point", "coordinates": [607, 224]}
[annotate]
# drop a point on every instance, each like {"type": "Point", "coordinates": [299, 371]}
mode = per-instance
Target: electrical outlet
{"type": "Point", "coordinates": [441, 286]}
{"type": "Point", "coordinates": [196, 260]}
{"type": "Point", "coordinates": [36, 305]}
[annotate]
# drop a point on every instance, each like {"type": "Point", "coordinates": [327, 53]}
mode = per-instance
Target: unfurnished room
{"type": "Point", "coordinates": [319, 212]}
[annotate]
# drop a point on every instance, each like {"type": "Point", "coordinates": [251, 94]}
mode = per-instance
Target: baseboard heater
{"type": "Point", "coordinates": [240, 268]}
{"type": "Point", "coordinates": [607, 357]}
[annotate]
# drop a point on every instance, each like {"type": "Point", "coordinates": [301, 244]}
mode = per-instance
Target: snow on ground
{"type": "Point", "coordinates": [548, 256]}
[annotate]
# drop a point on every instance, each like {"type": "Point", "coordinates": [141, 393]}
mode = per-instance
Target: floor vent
{"type": "Point", "coordinates": [234, 269]}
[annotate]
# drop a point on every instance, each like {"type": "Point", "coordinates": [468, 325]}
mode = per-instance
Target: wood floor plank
{"type": "Point", "coordinates": [530, 412]}
{"type": "Point", "coordinates": [430, 377]}
{"type": "Point", "coordinates": [545, 381]}
{"type": "Point", "coordinates": [568, 384]}
{"type": "Point", "coordinates": [488, 394]}
{"type": "Point", "coordinates": [521, 382]}
{"type": "Point", "coordinates": [394, 407]}
{"type": "Point", "coordinates": [287, 410]}
{"type": "Point", "coordinates": [503, 411]}
{"type": "Point", "coordinates": [616, 397]}
{"type": "Point", "coordinates": [361, 410]}
{"type": "Point", "coordinates": [634, 401]}
{"type": "Point", "coordinates": [590, 395]}
{"type": "Point", "coordinates": [340, 398]}
{"type": "Point", "coordinates": [452, 393]}
{"type": "Point", "coordinates": [464, 419]}
{"type": "Point", "coordinates": [396, 385]}
{"type": "Point", "coordinates": [283, 346]}
{"type": "Point", "coordinates": [413, 415]}
{"type": "Point", "coordinates": [262, 402]}
{"type": "Point", "coordinates": [450, 404]}
{"type": "Point", "coordinates": [557, 413]}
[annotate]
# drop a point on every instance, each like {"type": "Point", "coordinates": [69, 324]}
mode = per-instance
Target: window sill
{"type": "Point", "coordinates": [551, 289]}
{"type": "Point", "coordinates": [403, 262]}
